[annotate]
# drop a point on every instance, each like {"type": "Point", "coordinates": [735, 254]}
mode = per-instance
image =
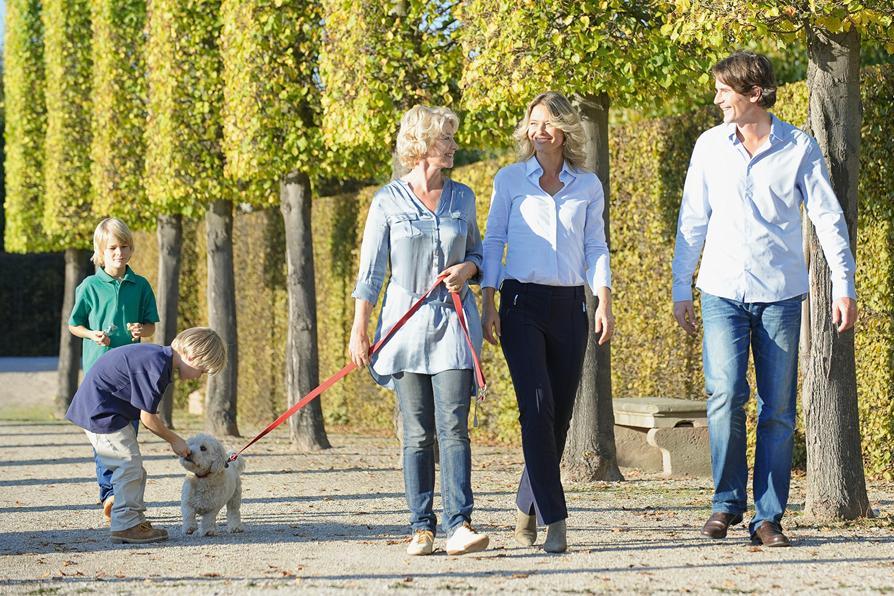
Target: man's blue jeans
{"type": "Point", "coordinates": [104, 475]}
{"type": "Point", "coordinates": [430, 404]}
{"type": "Point", "coordinates": [771, 330]}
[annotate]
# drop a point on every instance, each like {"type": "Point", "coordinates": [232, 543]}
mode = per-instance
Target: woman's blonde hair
{"type": "Point", "coordinates": [564, 117]}
{"type": "Point", "coordinates": [420, 127]}
{"type": "Point", "coordinates": [109, 228]}
{"type": "Point", "coordinates": [204, 348]}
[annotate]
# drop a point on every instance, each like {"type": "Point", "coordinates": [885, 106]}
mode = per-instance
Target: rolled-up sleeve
{"type": "Point", "coordinates": [825, 212]}
{"type": "Point", "coordinates": [599, 273]}
{"type": "Point", "coordinates": [495, 236]}
{"type": "Point", "coordinates": [692, 227]}
{"type": "Point", "coordinates": [374, 253]}
{"type": "Point", "coordinates": [474, 246]}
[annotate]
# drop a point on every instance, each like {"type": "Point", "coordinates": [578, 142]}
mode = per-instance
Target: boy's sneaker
{"type": "Point", "coordinates": [107, 509]}
{"type": "Point", "coordinates": [466, 540]}
{"type": "Point", "coordinates": [422, 543]}
{"type": "Point", "coordinates": [141, 533]}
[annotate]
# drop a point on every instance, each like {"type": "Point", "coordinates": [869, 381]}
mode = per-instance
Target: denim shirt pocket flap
{"type": "Point", "coordinates": [404, 225]}
{"type": "Point", "coordinates": [461, 221]}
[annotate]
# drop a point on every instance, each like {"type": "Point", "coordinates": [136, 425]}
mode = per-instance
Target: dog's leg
{"type": "Point", "coordinates": [188, 513]}
{"type": "Point", "coordinates": [208, 525]}
{"type": "Point", "coordinates": [234, 517]}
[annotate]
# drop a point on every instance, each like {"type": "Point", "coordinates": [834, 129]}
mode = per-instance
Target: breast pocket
{"type": "Point", "coordinates": [458, 223]}
{"type": "Point", "coordinates": [404, 226]}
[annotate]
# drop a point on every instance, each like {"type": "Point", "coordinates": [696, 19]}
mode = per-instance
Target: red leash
{"type": "Point", "coordinates": [457, 304]}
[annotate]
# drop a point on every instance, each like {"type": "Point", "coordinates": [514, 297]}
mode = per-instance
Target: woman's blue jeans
{"type": "Point", "coordinates": [771, 330]}
{"type": "Point", "coordinates": [431, 404]}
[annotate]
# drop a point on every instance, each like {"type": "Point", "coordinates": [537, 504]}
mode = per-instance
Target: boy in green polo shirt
{"type": "Point", "coordinates": [115, 307]}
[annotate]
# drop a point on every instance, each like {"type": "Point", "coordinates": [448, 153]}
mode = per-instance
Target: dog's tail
{"type": "Point", "coordinates": [239, 463]}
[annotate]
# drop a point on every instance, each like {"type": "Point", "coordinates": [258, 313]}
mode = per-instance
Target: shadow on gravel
{"type": "Point", "coordinates": [294, 530]}
{"type": "Point", "coordinates": [15, 463]}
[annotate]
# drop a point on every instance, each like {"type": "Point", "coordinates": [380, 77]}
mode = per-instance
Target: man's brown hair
{"type": "Point", "coordinates": [743, 71]}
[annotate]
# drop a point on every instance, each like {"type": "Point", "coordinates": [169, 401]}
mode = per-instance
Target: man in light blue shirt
{"type": "Point", "coordinates": [741, 212]}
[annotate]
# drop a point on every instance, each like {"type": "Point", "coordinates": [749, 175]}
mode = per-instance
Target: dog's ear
{"type": "Point", "coordinates": [219, 461]}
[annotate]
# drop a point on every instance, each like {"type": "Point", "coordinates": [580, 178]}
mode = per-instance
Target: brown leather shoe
{"type": "Point", "coordinates": [140, 534]}
{"type": "Point", "coordinates": [769, 534]}
{"type": "Point", "coordinates": [719, 523]}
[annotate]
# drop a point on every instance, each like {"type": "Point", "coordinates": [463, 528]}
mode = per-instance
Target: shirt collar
{"type": "Point", "coordinates": [532, 167]}
{"type": "Point", "coordinates": [776, 130]}
{"type": "Point", "coordinates": [129, 275]}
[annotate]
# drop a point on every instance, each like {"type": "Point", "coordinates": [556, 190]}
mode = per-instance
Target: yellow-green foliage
{"type": "Point", "coordinates": [378, 60]}
{"type": "Point", "coordinates": [875, 274]}
{"type": "Point", "coordinates": [271, 103]}
{"type": "Point", "coordinates": [586, 48]}
{"type": "Point", "coordinates": [119, 111]}
{"type": "Point", "coordinates": [651, 356]}
{"type": "Point", "coordinates": [184, 159]}
{"type": "Point", "coordinates": [25, 127]}
{"type": "Point", "coordinates": [67, 33]}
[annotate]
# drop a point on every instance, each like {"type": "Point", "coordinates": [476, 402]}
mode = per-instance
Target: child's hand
{"type": "Point", "coordinates": [100, 338]}
{"type": "Point", "coordinates": [136, 330]}
{"type": "Point", "coordinates": [180, 447]}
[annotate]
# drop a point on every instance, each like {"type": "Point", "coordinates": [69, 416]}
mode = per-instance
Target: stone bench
{"type": "Point", "coordinates": [662, 434]}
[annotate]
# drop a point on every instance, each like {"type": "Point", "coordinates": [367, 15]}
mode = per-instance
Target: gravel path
{"type": "Point", "coordinates": [336, 521]}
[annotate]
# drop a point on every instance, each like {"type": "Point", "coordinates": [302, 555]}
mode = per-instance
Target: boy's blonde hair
{"type": "Point", "coordinates": [109, 228]}
{"type": "Point", "coordinates": [420, 127]}
{"type": "Point", "coordinates": [564, 117]}
{"type": "Point", "coordinates": [204, 348]}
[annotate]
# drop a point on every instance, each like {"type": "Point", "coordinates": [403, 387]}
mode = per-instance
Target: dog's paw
{"type": "Point", "coordinates": [187, 530]}
{"type": "Point", "coordinates": [236, 529]}
{"type": "Point", "coordinates": [208, 532]}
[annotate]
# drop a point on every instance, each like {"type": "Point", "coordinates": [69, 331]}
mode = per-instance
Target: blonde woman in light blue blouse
{"type": "Point", "coordinates": [419, 226]}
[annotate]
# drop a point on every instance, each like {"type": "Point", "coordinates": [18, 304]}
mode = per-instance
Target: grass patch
{"type": "Point", "coordinates": [35, 413]}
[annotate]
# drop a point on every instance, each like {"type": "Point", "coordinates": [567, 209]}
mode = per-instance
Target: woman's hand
{"type": "Point", "coordinates": [604, 320]}
{"type": "Point", "coordinates": [359, 346]}
{"type": "Point", "coordinates": [458, 275]}
{"type": "Point", "coordinates": [490, 321]}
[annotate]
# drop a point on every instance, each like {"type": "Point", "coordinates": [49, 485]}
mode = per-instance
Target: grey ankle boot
{"type": "Point", "coordinates": [556, 541]}
{"type": "Point", "coordinates": [525, 528]}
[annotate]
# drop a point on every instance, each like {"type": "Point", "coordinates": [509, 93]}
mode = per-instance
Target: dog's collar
{"type": "Point", "coordinates": [226, 465]}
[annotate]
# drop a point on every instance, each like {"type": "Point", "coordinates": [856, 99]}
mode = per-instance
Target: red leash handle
{"type": "Point", "coordinates": [457, 304]}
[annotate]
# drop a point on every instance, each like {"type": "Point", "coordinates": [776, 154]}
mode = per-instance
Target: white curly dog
{"type": "Point", "coordinates": [212, 482]}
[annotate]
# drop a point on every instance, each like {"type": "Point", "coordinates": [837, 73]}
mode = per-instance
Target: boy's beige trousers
{"type": "Point", "coordinates": [120, 453]}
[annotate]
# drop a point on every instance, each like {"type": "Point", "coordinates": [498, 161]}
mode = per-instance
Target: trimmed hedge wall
{"type": "Point", "coordinates": [650, 355]}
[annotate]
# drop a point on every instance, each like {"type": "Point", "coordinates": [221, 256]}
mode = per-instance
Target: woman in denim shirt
{"type": "Point", "coordinates": [421, 225]}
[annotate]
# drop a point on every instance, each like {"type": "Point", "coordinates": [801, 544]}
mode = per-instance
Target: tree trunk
{"type": "Point", "coordinates": [836, 487]}
{"type": "Point", "coordinates": [220, 412]}
{"type": "Point", "coordinates": [69, 345]}
{"type": "Point", "coordinates": [590, 453]}
{"type": "Point", "coordinates": [170, 238]}
{"type": "Point", "coordinates": [306, 427]}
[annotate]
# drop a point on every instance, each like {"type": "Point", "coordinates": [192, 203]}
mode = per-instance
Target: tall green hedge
{"type": "Point", "coordinates": [67, 52]}
{"type": "Point", "coordinates": [119, 111]}
{"type": "Point", "coordinates": [184, 158]}
{"type": "Point", "coordinates": [651, 356]}
{"type": "Point", "coordinates": [25, 127]}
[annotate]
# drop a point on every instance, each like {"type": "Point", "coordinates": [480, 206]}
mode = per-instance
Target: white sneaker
{"type": "Point", "coordinates": [422, 543]}
{"type": "Point", "coordinates": [466, 540]}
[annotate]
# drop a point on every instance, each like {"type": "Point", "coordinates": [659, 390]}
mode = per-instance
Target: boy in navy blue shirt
{"type": "Point", "coordinates": [127, 384]}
